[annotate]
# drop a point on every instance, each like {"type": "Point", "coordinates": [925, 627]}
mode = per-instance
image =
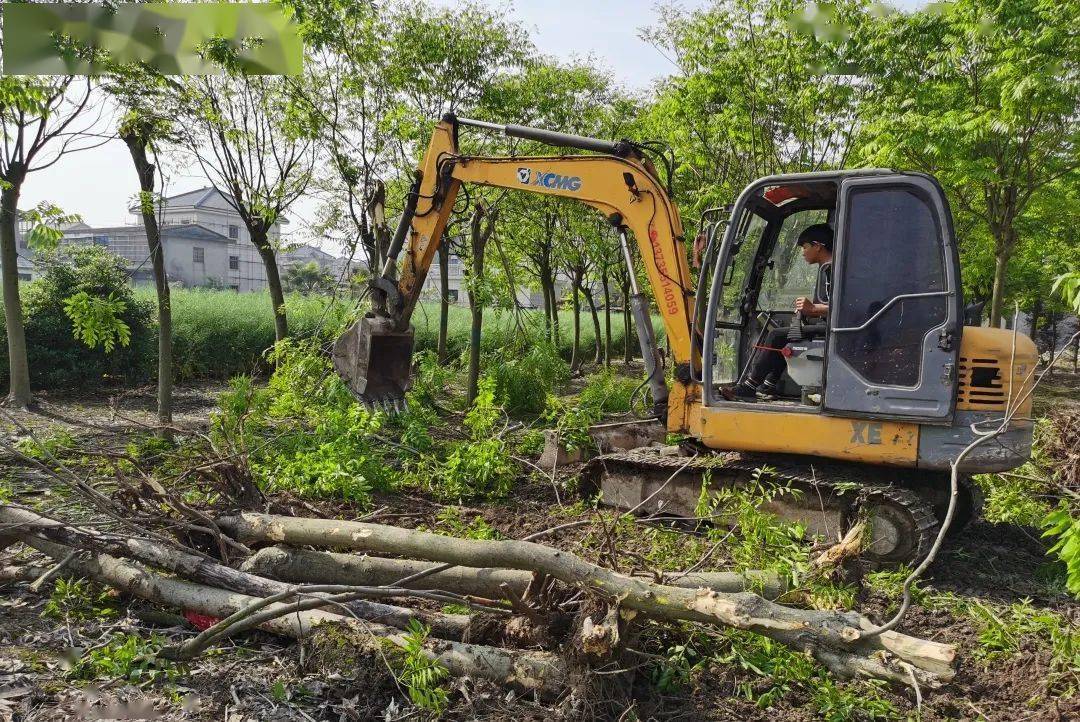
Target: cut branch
{"type": "Point", "coordinates": [445, 626]}
{"type": "Point", "coordinates": [832, 637]}
{"type": "Point", "coordinates": [315, 567]}
{"type": "Point", "coordinates": [533, 671]}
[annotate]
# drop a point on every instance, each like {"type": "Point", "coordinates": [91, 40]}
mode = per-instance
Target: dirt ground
{"type": "Point", "coordinates": [259, 677]}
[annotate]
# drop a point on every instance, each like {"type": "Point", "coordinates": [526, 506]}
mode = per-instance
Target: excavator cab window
{"type": "Point", "coordinates": [760, 272]}
{"type": "Point", "coordinates": [729, 280]}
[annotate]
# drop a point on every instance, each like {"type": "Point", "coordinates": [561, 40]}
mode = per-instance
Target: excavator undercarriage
{"type": "Point", "coordinates": [903, 507]}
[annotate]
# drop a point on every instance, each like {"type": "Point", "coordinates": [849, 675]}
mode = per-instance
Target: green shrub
{"type": "Point", "coordinates": [76, 600]}
{"type": "Point", "coordinates": [1064, 528]}
{"type": "Point", "coordinates": [608, 391]}
{"type": "Point", "coordinates": [525, 376]}
{"type": "Point", "coordinates": [571, 421]}
{"type": "Point", "coordinates": [421, 675]}
{"type": "Point", "coordinates": [478, 468]}
{"type": "Point", "coordinates": [128, 657]}
{"type": "Point", "coordinates": [76, 280]}
{"type": "Point", "coordinates": [304, 433]}
{"type": "Point", "coordinates": [220, 334]}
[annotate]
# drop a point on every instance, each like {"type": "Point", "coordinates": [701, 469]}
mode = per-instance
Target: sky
{"type": "Point", "coordinates": [99, 184]}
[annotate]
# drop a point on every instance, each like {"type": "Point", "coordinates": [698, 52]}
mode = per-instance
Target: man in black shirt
{"type": "Point", "coordinates": [767, 363]}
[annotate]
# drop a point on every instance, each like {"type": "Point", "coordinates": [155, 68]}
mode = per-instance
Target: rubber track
{"type": "Point", "coordinates": [861, 481]}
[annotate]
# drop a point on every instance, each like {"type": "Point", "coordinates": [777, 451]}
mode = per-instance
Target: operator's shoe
{"type": "Point", "coordinates": [768, 391]}
{"type": "Point", "coordinates": [739, 392]}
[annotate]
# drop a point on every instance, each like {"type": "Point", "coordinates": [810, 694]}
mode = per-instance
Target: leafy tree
{"type": "Point", "coordinates": [83, 321]}
{"type": "Point", "coordinates": [38, 114]}
{"type": "Point", "coordinates": [308, 278]}
{"type": "Point", "coordinates": [255, 144]}
{"type": "Point", "coordinates": [762, 88]}
{"type": "Point", "coordinates": [349, 103]}
{"type": "Point", "coordinates": [573, 98]}
{"type": "Point", "coordinates": [985, 97]}
{"type": "Point", "coordinates": [481, 226]}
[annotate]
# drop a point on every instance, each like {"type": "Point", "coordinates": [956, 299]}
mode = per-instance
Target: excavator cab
{"type": "Point", "coordinates": [889, 346]}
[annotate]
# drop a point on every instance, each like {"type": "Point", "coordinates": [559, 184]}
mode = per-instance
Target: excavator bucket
{"type": "Point", "coordinates": [374, 358]}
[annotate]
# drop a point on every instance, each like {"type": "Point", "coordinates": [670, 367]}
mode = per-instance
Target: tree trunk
{"type": "Point", "coordinates": [598, 336]}
{"type": "Point", "coordinates": [18, 365]}
{"type": "Point", "coordinates": [18, 368]}
{"type": "Point", "coordinates": [444, 301]}
{"type": "Point", "coordinates": [548, 280]}
{"type": "Point", "coordinates": [476, 312]}
{"type": "Point", "coordinates": [1036, 312]}
{"type": "Point", "coordinates": [479, 233]}
{"type": "Point", "coordinates": [606, 281]}
{"type": "Point", "coordinates": [273, 281]}
{"type": "Point", "coordinates": [831, 637]}
{"type": "Point", "coordinates": [575, 345]}
{"type": "Point", "coordinates": [547, 309]}
{"type": "Point", "coordinates": [137, 145]}
{"type": "Point", "coordinates": [1002, 255]}
{"type": "Point", "coordinates": [1053, 340]}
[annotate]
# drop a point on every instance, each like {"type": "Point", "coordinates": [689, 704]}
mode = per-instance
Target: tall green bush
{"type": "Point", "coordinates": [60, 359]}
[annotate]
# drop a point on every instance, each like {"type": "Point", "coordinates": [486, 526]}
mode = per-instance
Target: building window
{"type": "Point", "coordinates": [24, 277]}
{"type": "Point", "coordinates": [234, 263]}
{"type": "Point", "coordinates": [452, 295]}
{"type": "Point", "coordinates": [101, 241]}
{"type": "Point", "coordinates": [234, 232]}
{"type": "Point", "coordinates": [198, 255]}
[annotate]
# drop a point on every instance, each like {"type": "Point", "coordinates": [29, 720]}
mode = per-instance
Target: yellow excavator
{"type": "Point", "coordinates": [873, 407]}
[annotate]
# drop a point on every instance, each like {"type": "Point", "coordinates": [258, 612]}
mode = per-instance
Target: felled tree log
{"type": "Point", "coordinates": [831, 637]}
{"type": "Point", "coordinates": [190, 566]}
{"type": "Point", "coordinates": [21, 573]}
{"type": "Point", "coordinates": [315, 567]}
{"type": "Point", "coordinates": [542, 672]}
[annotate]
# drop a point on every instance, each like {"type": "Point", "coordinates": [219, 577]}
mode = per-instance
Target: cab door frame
{"type": "Point", "coordinates": [933, 398]}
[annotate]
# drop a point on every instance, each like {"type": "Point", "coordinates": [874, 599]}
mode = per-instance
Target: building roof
{"type": "Point", "coordinates": [193, 231]}
{"type": "Point", "coordinates": [199, 198]}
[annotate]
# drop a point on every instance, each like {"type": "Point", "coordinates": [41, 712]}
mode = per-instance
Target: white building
{"type": "Point", "coordinates": [206, 245]}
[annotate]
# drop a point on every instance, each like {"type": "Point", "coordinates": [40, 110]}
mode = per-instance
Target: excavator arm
{"type": "Point", "coordinates": [374, 356]}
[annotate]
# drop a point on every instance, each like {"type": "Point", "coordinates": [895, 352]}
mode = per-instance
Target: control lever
{"type": "Point", "coordinates": [795, 330]}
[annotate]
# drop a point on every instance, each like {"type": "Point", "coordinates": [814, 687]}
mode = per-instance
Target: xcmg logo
{"type": "Point", "coordinates": [552, 181]}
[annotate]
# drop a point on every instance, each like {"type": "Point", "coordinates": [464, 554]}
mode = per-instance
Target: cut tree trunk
{"type": "Point", "coordinates": [314, 567]}
{"type": "Point", "coordinates": [18, 366]}
{"type": "Point", "coordinates": [190, 566]}
{"type": "Point", "coordinates": [541, 672]}
{"type": "Point", "coordinates": [831, 637]}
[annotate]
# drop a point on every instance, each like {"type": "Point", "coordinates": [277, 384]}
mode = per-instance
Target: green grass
{"type": "Point", "coordinates": [220, 334]}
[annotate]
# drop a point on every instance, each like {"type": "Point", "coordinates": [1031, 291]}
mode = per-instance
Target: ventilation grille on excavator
{"type": "Point", "coordinates": [982, 385]}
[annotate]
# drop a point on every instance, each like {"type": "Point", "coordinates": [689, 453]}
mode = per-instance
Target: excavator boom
{"type": "Point", "coordinates": [374, 356]}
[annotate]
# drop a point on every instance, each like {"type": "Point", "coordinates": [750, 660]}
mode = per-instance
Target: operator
{"type": "Point", "coordinates": [767, 363]}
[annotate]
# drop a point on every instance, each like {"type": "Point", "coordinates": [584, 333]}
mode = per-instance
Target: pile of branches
{"type": "Point", "coordinates": [1062, 448]}
{"type": "Point", "coordinates": [543, 618]}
